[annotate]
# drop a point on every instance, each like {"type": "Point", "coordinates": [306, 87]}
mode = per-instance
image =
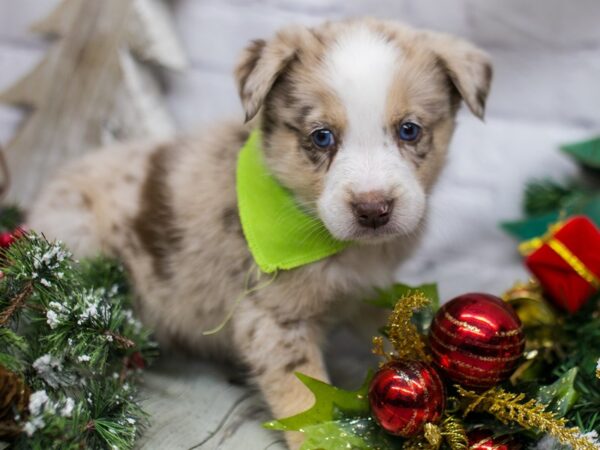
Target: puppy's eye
{"type": "Point", "coordinates": [323, 138]}
{"type": "Point", "coordinates": [409, 131]}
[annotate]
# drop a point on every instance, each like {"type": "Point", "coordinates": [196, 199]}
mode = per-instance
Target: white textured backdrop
{"type": "Point", "coordinates": [546, 91]}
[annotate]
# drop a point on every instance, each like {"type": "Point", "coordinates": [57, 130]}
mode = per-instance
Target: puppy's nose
{"type": "Point", "coordinates": [372, 209]}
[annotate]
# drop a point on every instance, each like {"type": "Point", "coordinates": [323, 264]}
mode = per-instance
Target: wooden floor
{"type": "Point", "coordinates": [193, 405]}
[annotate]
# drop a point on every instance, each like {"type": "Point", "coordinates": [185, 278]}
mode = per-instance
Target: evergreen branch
{"type": "Point", "coordinates": [16, 303]}
{"type": "Point", "coordinates": [542, 196]}
{"type": "Point", "coordinates": [73, 344]}
{"type": "Point", "coordinates": [125, 342]}
{"type": "Point", "coordinates": [510, 407]}
{"type": "Point", "coordinates": [10, 216]}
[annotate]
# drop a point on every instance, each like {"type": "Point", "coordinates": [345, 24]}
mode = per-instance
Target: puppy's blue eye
{"type": "Point", "coordinates": [409, 131]}
{"type": "Point", "coordinates": [323, 138]}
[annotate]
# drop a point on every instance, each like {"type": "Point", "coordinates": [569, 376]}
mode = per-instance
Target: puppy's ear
{"type": "Point", "coordinates": [262, 62]}
{"type": "Point", "coordinates": [468, 68]}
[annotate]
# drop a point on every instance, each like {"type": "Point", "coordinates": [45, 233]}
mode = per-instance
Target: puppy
{"type": "Point", "coordinates": [355, 120]}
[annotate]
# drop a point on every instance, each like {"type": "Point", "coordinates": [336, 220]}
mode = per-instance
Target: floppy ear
{"type": "Point", "coordinates": [261, 63]}
{"type": "Point", "coordinates": [468, 68]}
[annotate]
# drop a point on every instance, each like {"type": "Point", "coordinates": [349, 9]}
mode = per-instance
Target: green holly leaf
{"type": "Point", "coordinates": [357, 434]}
{"type": "Point", "coordinates": [586, 153]}
{"type": "Point", "coordinates": [331, 403]}
{"type": "Point", "coordinates": [338, 419]}
{"type": "Point", "coordinates": [560, 396]}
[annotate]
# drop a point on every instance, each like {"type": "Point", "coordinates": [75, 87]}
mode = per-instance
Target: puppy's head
{"type": "Point", "coordinates": [356, 117]}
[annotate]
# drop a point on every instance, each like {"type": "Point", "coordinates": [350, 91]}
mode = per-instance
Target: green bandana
{"type": "Point", "coordinates": [280, 235]}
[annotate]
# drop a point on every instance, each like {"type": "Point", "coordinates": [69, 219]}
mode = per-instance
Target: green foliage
{"type": "Point", "coordinates": [560, 396]}
{"type": "Point", "coordinates": [587, 153]}
{"type": "Point", "coordinates": [544, 196]}
{"type": "Point", "coordinates": [10, 218]}
{"type": "Point", "coordinates": [70, 332]}
{"type": "Point", "coordinates": [533, 226]}
{"type": "Point", "coordinates": [530, 227]}
{"type": "Point", "coordinates": [358, 434]}
{"type": "Point", "coordinates": [580, 345]}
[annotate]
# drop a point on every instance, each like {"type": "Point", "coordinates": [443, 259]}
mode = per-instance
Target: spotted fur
{"type": "Point", "coordinates": [168, 209]}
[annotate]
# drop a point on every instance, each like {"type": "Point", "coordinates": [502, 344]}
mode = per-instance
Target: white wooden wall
{"type": "Point", "coordinates": [546, 91]}
{"type": "Point", "coordinates": [547, 52]}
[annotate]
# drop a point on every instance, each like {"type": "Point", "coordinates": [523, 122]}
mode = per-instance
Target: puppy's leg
{"type": "Point", "coordinates": [275, 350]}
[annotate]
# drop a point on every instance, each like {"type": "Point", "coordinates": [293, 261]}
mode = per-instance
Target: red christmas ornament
{"type": "Point", "coordinates": [567, 262]}
{"type": "Point", "coordinates": [476, 340]}
{"type": "Point", "coordinates": [135, 361]}
{"type": "Point", "coordinates": [485, 440]}
{"type": "Point", "coordinates": [8, 237]}
{"type": "Point", "coordinates": [405, 395]}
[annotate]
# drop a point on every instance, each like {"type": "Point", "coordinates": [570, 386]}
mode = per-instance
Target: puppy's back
{"type": "Point", "coordinates": [87, 202]}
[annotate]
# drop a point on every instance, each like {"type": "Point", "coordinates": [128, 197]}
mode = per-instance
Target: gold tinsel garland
{"type": "Point", "coordinates": [450, 430]}
{"type": "Point", "coordinates": [402, 333]}
{"type": "Point", "coordinates": [454, 433]}
{"type": "Point", "coordinates": [530, 414]}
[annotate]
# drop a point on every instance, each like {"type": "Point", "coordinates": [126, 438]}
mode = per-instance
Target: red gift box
{"type": "Point", "coordinates": [566, 262]}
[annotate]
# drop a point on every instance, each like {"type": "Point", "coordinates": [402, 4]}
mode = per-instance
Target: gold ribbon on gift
{"type": "Point", "coordinates": [528, 247]}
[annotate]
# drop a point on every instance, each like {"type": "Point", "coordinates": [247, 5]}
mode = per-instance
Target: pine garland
{"type": "Point", "coordinates": [542, 196]}
{"type": "Point", "coordinates": [10, 217]}
{"type": "Point", "coordinates": [67, 332]}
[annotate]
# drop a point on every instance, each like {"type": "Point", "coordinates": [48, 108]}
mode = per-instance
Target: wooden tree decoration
{"type": "Point", "coordinates": [94, 86]}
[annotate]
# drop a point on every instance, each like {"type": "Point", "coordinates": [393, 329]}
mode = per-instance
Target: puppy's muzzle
{"type": "Point", "coordinates": [372, 209]}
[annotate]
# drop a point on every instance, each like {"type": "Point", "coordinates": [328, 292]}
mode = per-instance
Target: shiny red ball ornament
{"type": "Point", "coordinates": [8, 237]}
{"type": "Point", "coordinates": [485, 440]}
{"type": "Point", "coordinates": [476, 340]}
{"type": "Point", "coordinates": [405, 395]}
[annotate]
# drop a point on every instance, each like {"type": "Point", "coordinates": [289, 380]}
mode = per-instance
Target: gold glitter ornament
{"type": "Point", "coordinates": [529, 304]}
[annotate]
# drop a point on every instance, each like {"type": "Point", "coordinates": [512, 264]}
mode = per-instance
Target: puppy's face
{"type": "Point", "coordinates": [357, 116]}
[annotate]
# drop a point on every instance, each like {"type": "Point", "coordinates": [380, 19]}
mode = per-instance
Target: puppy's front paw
{"type": "Point", "coordinates": [294, 439]}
